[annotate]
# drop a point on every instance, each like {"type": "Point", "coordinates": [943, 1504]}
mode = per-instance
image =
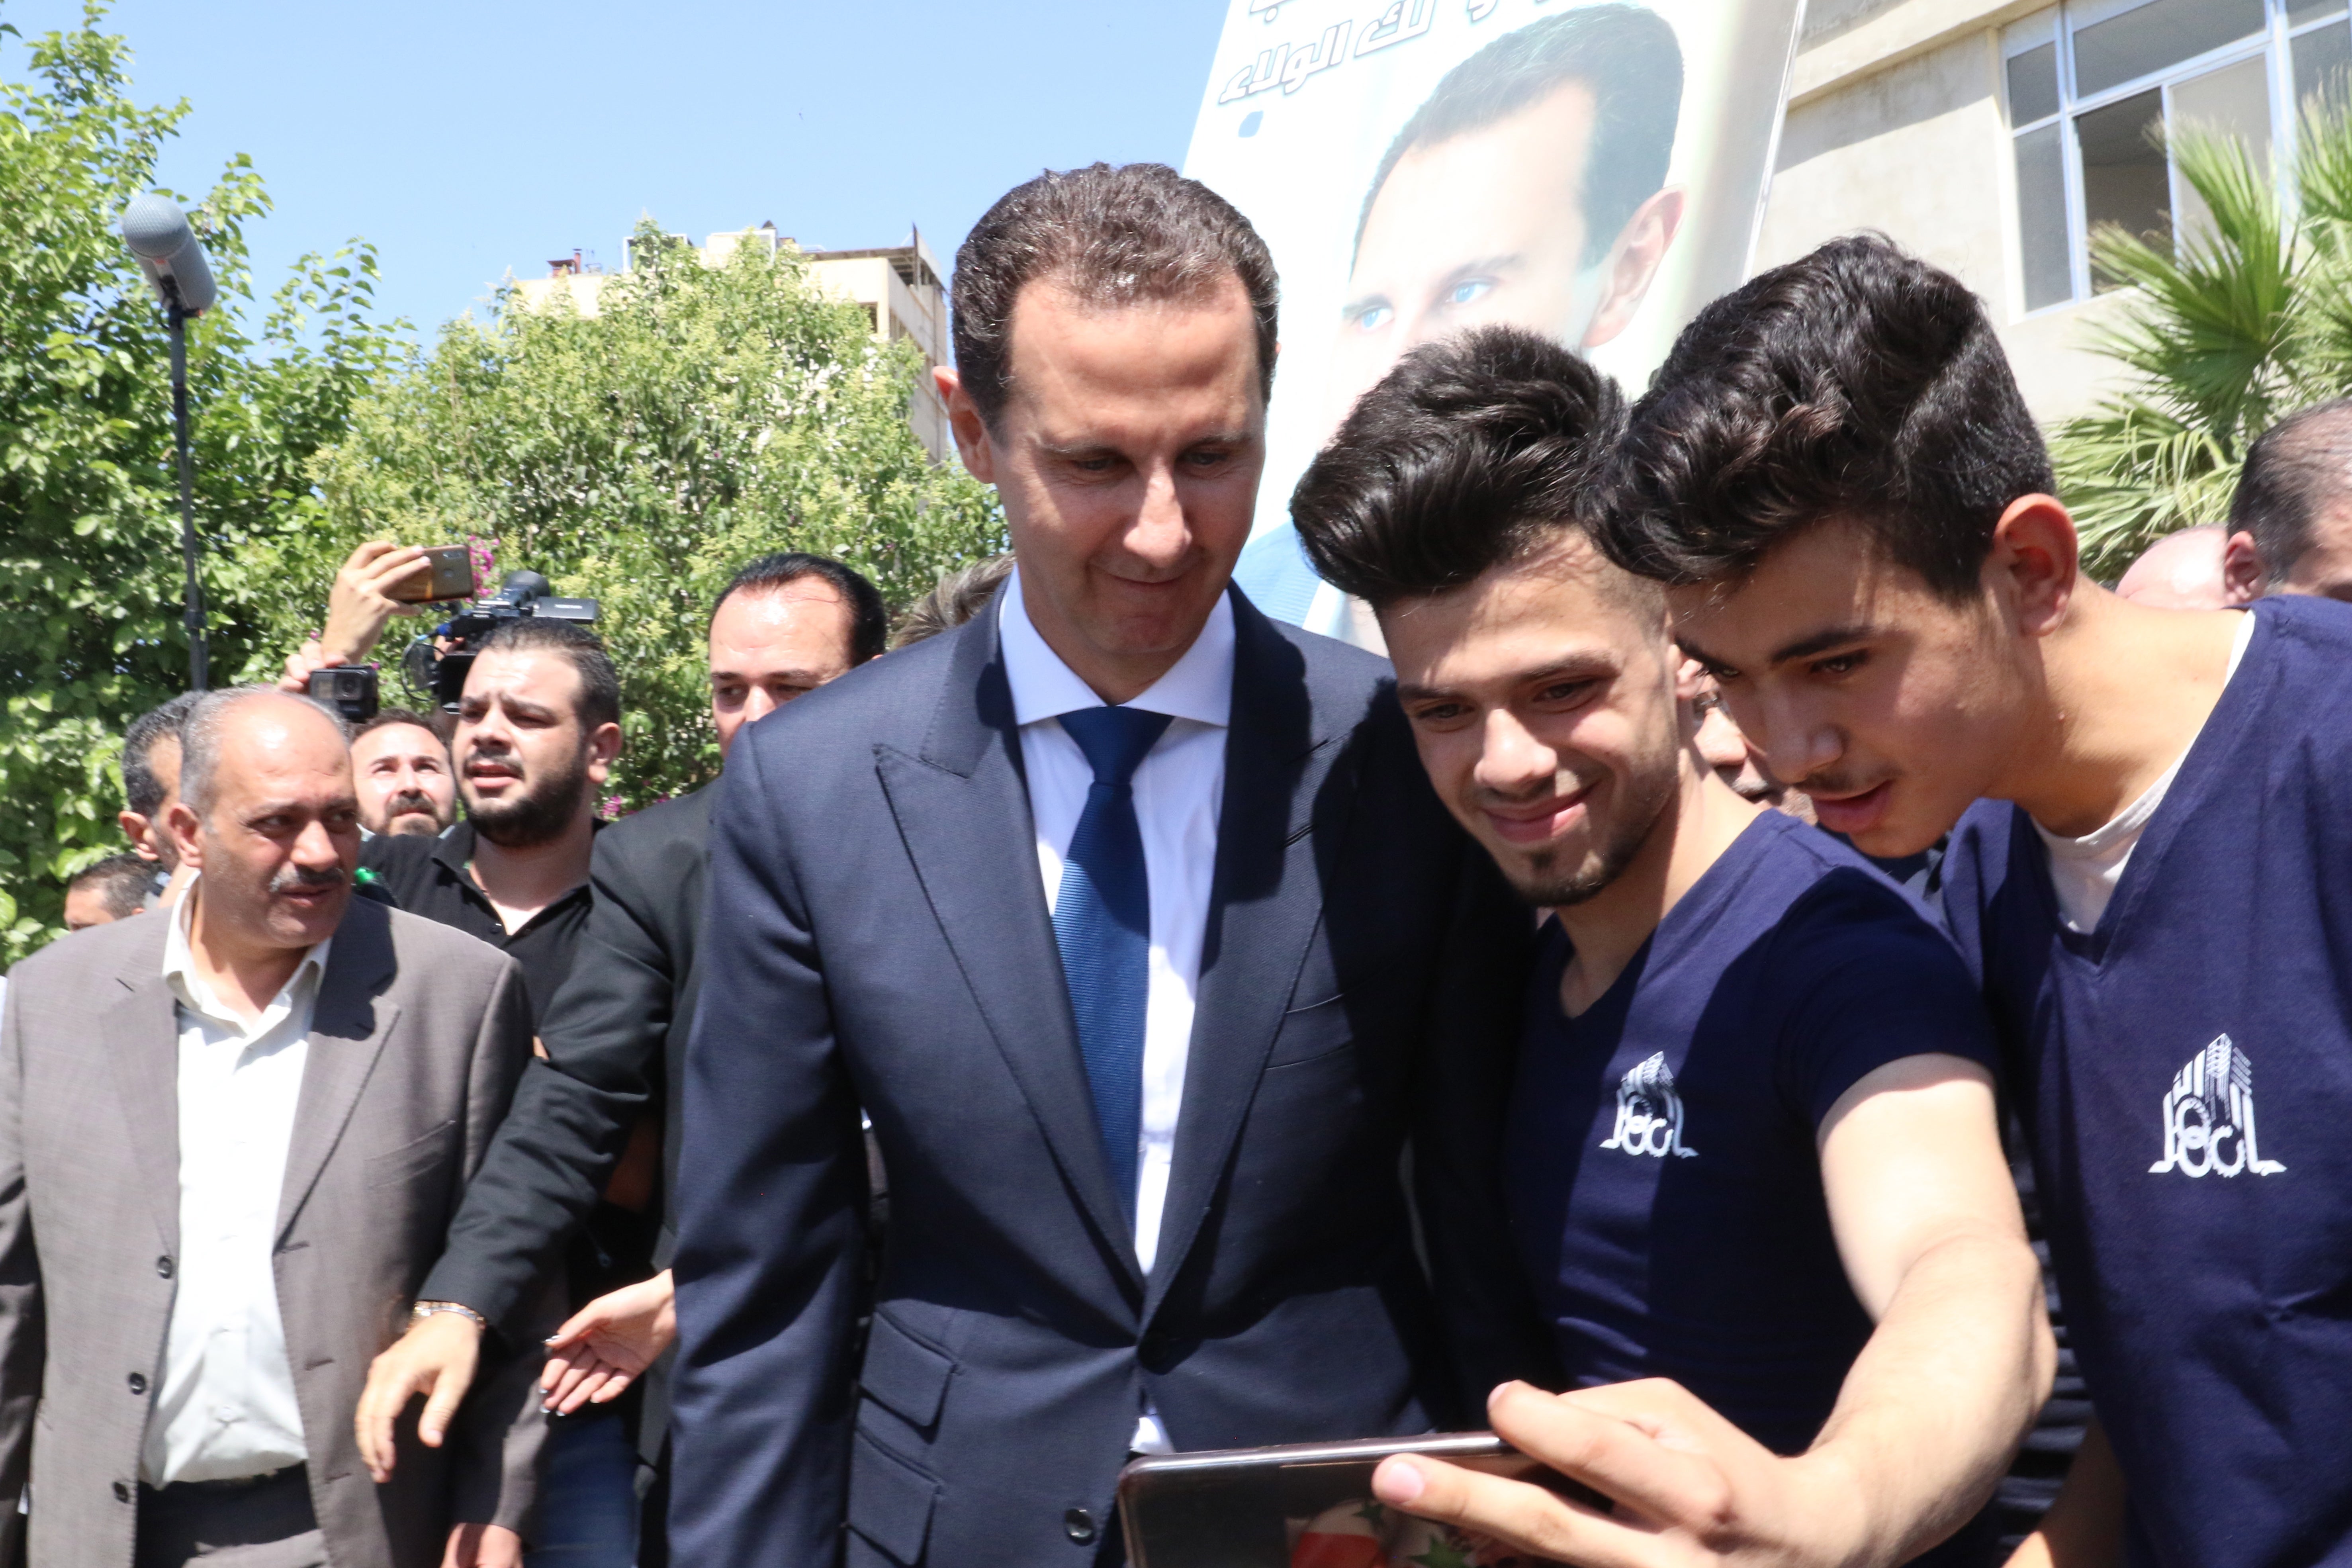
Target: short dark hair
{"type": "Point", "coordinates": [435, 723]}
{"type": "Point", "coordinates": [1473, 452]}
{"type": "Point", "coordinates": [121, 882]}
{"type": "Point", "coordinates": [1855, 382]}
{"type": "Point", "coordinates": [1627, 54]}
{"type": "Point", "coordinates": [142, 791]}
{"type": "Point", "coordinates": [869, 620]}
{"type": "Point", "coordinates": [2293, 473]}
{"type": "Point", "coordinates": [600, 685]}
{"type": "Point", "coordinates": [954, 600]}
{"type": "Point", "coordinates": [1137, 234]}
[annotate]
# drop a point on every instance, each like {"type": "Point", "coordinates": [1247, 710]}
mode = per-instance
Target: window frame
{"type": "Point", "coordinates": [2273, 43]}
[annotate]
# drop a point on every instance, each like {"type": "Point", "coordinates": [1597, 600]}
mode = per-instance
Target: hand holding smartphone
{"type": "Point", "coordinates": [451, 576]}
{"type": "Point", "coordinates": [1309, 1506]}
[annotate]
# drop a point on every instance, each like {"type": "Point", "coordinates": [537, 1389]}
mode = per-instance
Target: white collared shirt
{"type": "Point", "coordinates": [1179, 790]}
{"type": "Point", "coordinates": [227, 1408]}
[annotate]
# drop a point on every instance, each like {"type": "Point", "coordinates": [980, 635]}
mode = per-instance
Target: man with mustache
{"type": "Point", "coordinates": [232, 1136]}
{"type": "Point", "coordinates": [1752, 1156]}
{"type": "Point", "coordinates": [401, 765]}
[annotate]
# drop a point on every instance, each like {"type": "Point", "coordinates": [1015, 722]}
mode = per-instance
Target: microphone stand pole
{"type": "Point", "coordinates": [198, 658]}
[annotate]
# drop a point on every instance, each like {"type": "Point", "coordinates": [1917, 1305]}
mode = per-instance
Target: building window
{"type": "Point", "coordinates": [2088, 81]}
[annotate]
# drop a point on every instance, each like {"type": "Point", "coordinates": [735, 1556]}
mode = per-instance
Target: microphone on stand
{"type": "Point", "coordinates": [158, 233]}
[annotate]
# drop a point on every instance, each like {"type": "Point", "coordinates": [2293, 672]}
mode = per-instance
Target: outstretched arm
{"type": "Point", "coordinates": [360, 605]}
{"type": "Point", "coordinates": [1928, 1226]}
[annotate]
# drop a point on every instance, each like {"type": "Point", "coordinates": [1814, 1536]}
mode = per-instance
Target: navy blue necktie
{"type": "Point", "coordinates": [1102, 923]}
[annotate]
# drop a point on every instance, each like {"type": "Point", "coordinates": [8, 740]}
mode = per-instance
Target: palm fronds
{"type": "Point", "coordinates": [2246, 317]}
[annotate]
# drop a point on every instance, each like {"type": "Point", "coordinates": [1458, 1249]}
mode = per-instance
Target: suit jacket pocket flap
{"type": "Point", "coordinates": [904, 1375]}
{"type": "Point", "coordinates": [889, 1500]}
{"type": "Point", "coordinates": [393, 1167]}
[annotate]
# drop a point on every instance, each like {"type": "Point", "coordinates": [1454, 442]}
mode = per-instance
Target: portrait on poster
{"type": "Point", "coordinates": [1594, 170]}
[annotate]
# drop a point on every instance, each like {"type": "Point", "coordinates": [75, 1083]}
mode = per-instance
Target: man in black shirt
{"type": "Point", "coordinates": [537, 732]}
{"type": "Point", "coordinates": [584, 1119]}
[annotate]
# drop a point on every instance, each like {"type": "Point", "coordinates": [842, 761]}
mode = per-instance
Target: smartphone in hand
{"type": "Point", "coordinates": [1310, 1505]}
{"type": "Point", "coordinates": [451, 577]}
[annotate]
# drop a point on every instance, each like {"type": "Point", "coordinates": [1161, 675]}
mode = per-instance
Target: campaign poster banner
{"type": "Point", "coordinates": [1595, 171]}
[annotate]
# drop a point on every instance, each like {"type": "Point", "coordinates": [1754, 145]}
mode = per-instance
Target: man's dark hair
{"type": "Point", "coordinates": [599, 686]}
{"type": "Point", "coordinates": [435, 723]}
{"type": "Point", "coordinates": [1472, 453]}
{"type": "Point", "coordinates": [869, 621]}
{"type": "Point", "coordinates": [1857, 382]}
{"type": "Point", "coordinates": [2294, 473]}
{"type": "Point", "coordinates": [1139, 234]}
{"type": "Point", "coordinates": [121, 882]}
{"type": "Point", "coordinates": [1625, 54]}
{"type": "Point", "coordinates": [142, 791]}
{"type": "Point", "coordinates": [954, 600]}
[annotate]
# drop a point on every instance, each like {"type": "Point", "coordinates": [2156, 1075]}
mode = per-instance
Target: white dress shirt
{"type": "Point", "coordinates": [1179, 789]}
{"type": "Point", "coordinates": [227, 1409]}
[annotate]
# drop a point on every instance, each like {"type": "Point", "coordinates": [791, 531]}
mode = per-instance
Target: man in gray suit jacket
{"type": "Point", "coordinates": [231, 1138]}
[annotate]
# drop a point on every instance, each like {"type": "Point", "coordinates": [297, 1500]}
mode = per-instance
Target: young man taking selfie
{"type": "Point", "coordinates": [1836, 477]}
{"type": "Point", "coordinates": [1752, 1162]}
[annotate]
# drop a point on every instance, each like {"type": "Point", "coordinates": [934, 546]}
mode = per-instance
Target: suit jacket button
{"type": "Point", "coordinates": [122, 1491]}
{"type": "Point", "coordinates": [164, 1267]}
{"type": "Point", "coordinates": [1078, 1525]}
{"type": "Point", "coordinates": [138, 1382]}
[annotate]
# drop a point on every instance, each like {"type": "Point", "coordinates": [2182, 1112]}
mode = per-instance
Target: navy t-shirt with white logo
{"type": "Point", "coordinates": [2185, 1072]}
{"type": "Point", "coordinates": [1665, 1180]}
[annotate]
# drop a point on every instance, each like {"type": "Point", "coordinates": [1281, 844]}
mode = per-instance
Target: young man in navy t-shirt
{"type": "Point", "coordinates": [1752, 1159]}
{"type": "Point", "coordinates": [1836, 472]}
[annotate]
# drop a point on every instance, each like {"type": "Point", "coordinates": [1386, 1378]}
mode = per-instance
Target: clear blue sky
{"type": "Point", "coordinates": [467, 139]}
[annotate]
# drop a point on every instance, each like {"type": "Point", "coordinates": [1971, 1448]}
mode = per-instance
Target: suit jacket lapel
{"type": "Point", "coordinates": [348, 1024]}
{"type": "Point", "coordinates": [1280, 811]}
{"type": "Point", "coordinates": [962, 809]}
{"type": "Point", "coordinates": [142, 1047]}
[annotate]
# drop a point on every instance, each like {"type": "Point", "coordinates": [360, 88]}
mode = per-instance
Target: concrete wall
{"type": "Point", "coordinates": [1895, 124]}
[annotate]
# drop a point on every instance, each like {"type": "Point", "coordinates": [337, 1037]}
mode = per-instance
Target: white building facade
{"type": "Point", "coordinates": [1989, 138]}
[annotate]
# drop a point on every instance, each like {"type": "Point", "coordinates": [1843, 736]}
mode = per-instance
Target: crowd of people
{"type": "Point", "coordinates": [1771, 938]}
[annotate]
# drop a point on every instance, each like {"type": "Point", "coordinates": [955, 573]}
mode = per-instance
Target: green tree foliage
{"type": "Point", "coordinates": [2247, 318]}
{"type": "Point", "coordinates": [700, 416]}
{"type": "Point", "coordinates": [90, 555]}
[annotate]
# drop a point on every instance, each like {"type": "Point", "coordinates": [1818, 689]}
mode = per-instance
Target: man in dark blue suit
{"type": "Point", "coordinates": [1129, 919]}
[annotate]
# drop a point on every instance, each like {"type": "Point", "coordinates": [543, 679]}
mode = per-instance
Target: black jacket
{"type": "Point", "coordinates": [616, 1039]}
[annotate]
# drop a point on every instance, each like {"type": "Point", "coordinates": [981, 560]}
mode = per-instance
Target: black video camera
{"type": "Point", "coordinates": [436, 663]}
{"type": "Point", "coordinates": [349, 689]}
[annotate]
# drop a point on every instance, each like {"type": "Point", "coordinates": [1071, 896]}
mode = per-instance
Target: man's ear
{"type": "Point", "coordinates": [963, 418]}
{"type": "Point", "coordinates": [182, 824]}
{"type": "Point", "coordinates": [2243, 571]}
{"type": "Point", "coordinates": [1690, 678]}
{"type": "Point", "coordinates": [602, 747]}
{"type": "Point", "coordinates": [1633, 264]}
{"type": "Point", "coordinates": [136, 828]}
{"type": "Point", "coordinates": [2035, 562]}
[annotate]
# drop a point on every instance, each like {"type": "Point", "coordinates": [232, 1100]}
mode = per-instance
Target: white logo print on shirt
{"type": "Point", "coordinates": [2213, 1104]}
{"type": "Point", "coordinates": [1649, 1113]}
